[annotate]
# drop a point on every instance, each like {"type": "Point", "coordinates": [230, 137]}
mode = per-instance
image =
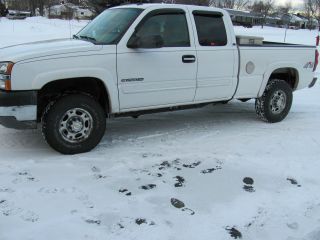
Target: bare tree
{"type": "Point", "coordinates": [2, 9]}
{"type": "Point", "coordinates": [242, 4]}
{"type": "Point", "coordinates": [317, 6]}
{"type": "Point", "coordinates": [232, 4]}
{"type": "Point", "coordinates": [286, 8]}
{"type": "Point", "coordinates": [193, 2]}
{"type": "Point", "coordinates": [264, 8]}
{"type": "Point", "coordinates": [310, 7]}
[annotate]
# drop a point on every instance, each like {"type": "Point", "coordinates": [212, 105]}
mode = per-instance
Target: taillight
{"type": "Point", "coordinates": [316, 61]}
{"type": "Point", "coordinates": [317, 40]}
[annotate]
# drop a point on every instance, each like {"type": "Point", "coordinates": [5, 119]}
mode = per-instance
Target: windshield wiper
{"type": "Point", "coordinates": [87, 38]}
{"type": "Point", "coordinates": [75, 37]}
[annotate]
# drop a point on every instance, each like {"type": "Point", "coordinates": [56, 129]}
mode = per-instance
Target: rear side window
{"type": "Point", "coordinates": [210, 28]}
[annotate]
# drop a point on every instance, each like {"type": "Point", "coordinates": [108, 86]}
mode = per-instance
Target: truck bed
{"type": "Point", "coordinates": [280, 44]}
{"type": "Point", "coordinates": [253, 41]}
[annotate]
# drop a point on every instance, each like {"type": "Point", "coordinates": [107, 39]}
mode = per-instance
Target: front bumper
{"type": "Point", "coordinates": [18, 109]}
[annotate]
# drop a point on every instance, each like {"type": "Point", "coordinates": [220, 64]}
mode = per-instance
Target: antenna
{"type": "Point", "coordinates": [70, 32]}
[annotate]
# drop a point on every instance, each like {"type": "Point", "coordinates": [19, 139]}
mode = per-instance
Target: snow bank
{"type": "Point", "coordinates": [36, 28]}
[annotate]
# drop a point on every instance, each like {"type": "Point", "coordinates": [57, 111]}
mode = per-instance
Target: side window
{"type": "Point", "coordinates": [171, 27]}
{"type": "Point", "coordinates": [211, 29]}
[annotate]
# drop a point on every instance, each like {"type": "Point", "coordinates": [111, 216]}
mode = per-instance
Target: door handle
{"type": "Point", "coordinates": [188, 58]}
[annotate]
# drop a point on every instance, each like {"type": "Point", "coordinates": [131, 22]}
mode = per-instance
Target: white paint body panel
{"type": "Point", "coordinates": [167, 81]}
{"type": "Point", "coordinates": [268, 59]}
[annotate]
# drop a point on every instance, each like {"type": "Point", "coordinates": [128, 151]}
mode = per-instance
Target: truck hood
{"type": "Point", "coordinates": [49, 48]}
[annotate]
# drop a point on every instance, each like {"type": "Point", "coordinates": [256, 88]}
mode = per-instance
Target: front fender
{"type": "Point", "coordinates": [36, 74]}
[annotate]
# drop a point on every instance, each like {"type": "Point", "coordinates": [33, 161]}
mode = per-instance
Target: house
{"type": "Point", "coordinates": [274, 20]}
{"type": "Point", "coordinates": [249, 19]}
{"type": "Point", "coordinates": [83, 13]}
{"type": "Point", "coordinates": [69, 11]}
{"type": "Point", "coordinates": [299, 21]}
{"type": "Point", "coordinates": [244, 18]}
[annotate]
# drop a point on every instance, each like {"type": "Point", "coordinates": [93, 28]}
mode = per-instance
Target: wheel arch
{"type": "Point", "coordinates": [92, 86]}
{"type": "Point", "coordinates": [287, 72]}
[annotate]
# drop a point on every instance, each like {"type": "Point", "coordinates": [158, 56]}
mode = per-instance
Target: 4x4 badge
{"type": "Point", "coordinates": [309, 65]}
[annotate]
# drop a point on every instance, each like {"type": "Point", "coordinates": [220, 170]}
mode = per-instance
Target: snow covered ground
{"type": "Point", "coordinates": [36, 29]}
{"type": "Point", "coordinates": [211, 173]}
{"type": "Point", "coordinates": [302, 36]}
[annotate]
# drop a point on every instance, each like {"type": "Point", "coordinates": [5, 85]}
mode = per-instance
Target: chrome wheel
{"type": "Point", "coordinates": [278, 102]}
{"type": "Point", "coordinates": [76, 125]}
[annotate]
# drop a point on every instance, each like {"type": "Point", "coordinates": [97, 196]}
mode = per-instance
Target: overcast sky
{"type": "Point", "coordinates": [295, 3]}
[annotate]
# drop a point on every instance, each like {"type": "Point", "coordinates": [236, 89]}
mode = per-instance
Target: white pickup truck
{"type": "Point", "coordinates": [145, 58]}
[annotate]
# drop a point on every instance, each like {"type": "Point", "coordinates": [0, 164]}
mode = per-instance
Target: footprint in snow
{"type": "Point", "coordinates": [122, 224]}
{"type": "Point", "coordinates": [125, 191]}
{"type": "Point", "coordinates": [95, 169]}
{"type": "Point", "coordinates": [22, 174]}
{"type": "Point", "coordinates": [192, 165]}
{"type": "Point", "coordinates": [211, 170]}
{"type": "Point", "coordinates": [84, 199]}
{"type": "Point", "coordinates": [166, 165]}
{"type": "Point", "coordinates": [293, 182]}
{"type": "Point", "coordinates": [99, 176]}
{"type": "Point", "coordinates": [180, 205]}
{"type": "Point", "coordinates": [180, 181]}
{"type": "Point", "coordinates": [140, 221]}
{"type": "Point", "coordinates": [8, 208]}
{"type": "Point", "coordinates": [145, 155]}
{"type": "Point", "coordinates": [248, 182]}
{"type": "Point", "coordinates": [235, 233]}
{"type": "Point", "coordinates": [91, 221]}
{"type": "Point", "coordinates": [155, 174]}
{"type": "Point", "coordinates": [148, 186]}
{"type": "Point", "coordinates": [29, 216]}
{"type": "Point", "coordinates": [6, 190]}
{"type": "Point", "coordinates": [188, 210]}
{"type": "Point", "coordinates": [293, 226]}
{"type": "Point", "coordinates": [177, 203]}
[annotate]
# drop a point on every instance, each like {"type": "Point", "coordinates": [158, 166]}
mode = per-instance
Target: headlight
{"type": "Point", "coordinates": [6, 67]}
{"type": "Point", "coordinates": [5, 75]}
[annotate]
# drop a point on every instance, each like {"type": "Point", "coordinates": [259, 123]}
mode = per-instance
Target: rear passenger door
{"type": "Point", "coordinates": [158, 77]}
{"type": "Point", "coordinates": [216, 55]}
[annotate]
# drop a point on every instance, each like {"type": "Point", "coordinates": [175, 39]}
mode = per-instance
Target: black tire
{"type": "Point", "coordinates": [266, 105]}
{"type": "Point", "coordinates": [69, 110]}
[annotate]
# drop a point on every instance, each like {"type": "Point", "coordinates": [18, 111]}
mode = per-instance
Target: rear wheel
{"type": "Point", "coordinates": [275, 103]}
{"type": "Point", "coordinates": [73, 124]}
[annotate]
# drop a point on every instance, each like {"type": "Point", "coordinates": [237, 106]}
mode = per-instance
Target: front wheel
{"type": "Point", "coordinates": [275, 103]}
{"type": "Point", "coordinates": [73, 124]}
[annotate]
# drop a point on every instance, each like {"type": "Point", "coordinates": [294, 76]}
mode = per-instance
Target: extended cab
{"type": "Point", "coordinates": [144, 58]}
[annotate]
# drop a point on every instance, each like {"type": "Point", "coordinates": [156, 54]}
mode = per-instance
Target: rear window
{"type": "Point", "coordinates": [210, 28]}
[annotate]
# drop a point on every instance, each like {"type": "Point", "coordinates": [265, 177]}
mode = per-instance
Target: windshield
{"type": "Point", "coordinates": [109, 26]}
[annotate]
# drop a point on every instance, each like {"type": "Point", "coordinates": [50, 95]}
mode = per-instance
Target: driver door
{"type": "Point", "coordinates": [162, 74]}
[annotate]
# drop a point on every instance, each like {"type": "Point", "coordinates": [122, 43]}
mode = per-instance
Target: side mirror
{"type": "Point", "coordinates": [151, 41]}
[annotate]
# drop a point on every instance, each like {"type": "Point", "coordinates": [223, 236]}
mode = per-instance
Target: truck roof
{"type": "Point", "coordinates": [166, 5]}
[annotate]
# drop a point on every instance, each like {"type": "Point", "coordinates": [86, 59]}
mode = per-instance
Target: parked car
{"type": "Point", "coordinates": [138, 59]}
{"type": "Point", "coordinates": [18, 15]}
